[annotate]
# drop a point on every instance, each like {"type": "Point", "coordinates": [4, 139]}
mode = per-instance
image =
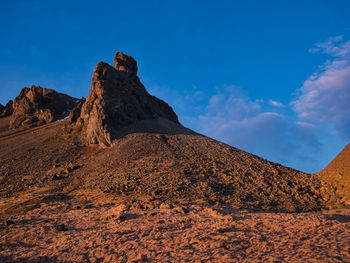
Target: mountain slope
{"type": "Point", "coordinates": [180, 167]}
{"type": "Point", "coordinates": [146, 154]}
{"type": "Point", "coordinates": [337, 175]}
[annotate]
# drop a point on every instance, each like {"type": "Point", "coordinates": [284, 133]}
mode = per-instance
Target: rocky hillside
{"type": "Point", "coordinates": [146, 154]}
{"type": "Point", "coordinates": [337, 175]}
{"type": "Point", "coordinates": [36, 106]}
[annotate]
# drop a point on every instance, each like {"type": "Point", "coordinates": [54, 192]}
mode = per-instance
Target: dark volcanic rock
{"type": "Point", "coordinates": [7, 110]}
{"type": "Point", "coordinates": [117, 99]}
{"type": "Point", "coordinates": [2, 107]}
{"type": "Point", "coordinates": [36, 106]}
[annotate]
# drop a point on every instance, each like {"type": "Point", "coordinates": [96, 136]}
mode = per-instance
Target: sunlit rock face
{"type": "Point", "coordinates": [36, 106]}
{"type": "Point", "coordinates": [117, 99]}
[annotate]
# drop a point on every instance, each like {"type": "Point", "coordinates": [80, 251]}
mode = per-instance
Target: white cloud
{"type": "Point", "coordinates": [325, 95]}
{"type": "Point", "coordinates": [249, 124]}
{"type": "Point", "coordinates": [231, 103]}
{"type": "Point", "coordinates": [255, 125]}
{"type": "Point", "coordinates": [232, 117]}
{"type": "Point", "coordinates": [306, 125]}
{"type": "Point", "coordinates": [276, 103]}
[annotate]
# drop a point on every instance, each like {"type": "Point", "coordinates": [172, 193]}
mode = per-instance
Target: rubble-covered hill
{"type": "Point", "coordinates": [146, 154]}
{"type": "Point", "coordinates": [36, 106]}
{"type": "Point", "coordinates": [337, 175]}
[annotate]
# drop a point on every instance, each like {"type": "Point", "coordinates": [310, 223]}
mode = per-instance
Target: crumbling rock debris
{"type": "Point", "coordinates": [36, 106]}
{"type": "Point", "coordinates": [117, 99]}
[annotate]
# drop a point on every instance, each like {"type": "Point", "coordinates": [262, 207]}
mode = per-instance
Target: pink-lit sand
{"type": "Point", "coordinates": [99, 230]}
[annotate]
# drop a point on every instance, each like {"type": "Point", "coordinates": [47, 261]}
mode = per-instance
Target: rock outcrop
{"type": "Point", "coordinates": [7, 110]}
{"type": "Point", "coordinates": [117, 99]}
{"type": "Point", "coordinates": [36, 106]}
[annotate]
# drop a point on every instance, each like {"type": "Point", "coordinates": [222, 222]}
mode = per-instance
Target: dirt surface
{"type": "Point", "coordinates": [88, 226]}
{"type": "Point", "coordinates": [35, 156]}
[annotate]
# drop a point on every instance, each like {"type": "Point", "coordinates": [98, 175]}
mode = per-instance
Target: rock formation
{"type": "Point", "coordinates": [36, 106]}
{"type": "Point", "coordinates": [2, 107]}
{"type": "Point", "coordinates": [152, 156]}
{"type": "Point", "coordinates": [116, 100]}
{"type": "Point", "coordinates": [7, 110]}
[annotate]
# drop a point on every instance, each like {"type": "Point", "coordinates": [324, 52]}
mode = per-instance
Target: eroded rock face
{"type": "Point", "coordinates": [117, 99]}
{"type": "Point", "coordinates": [36, 106]}
{"type": "Point", "coordinates": [125, 63]}
{"type": "Point", "coordinates": [7, 110]}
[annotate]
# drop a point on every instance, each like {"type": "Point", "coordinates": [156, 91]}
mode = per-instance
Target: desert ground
{"type": "Point", "coordinates": [87, 226]}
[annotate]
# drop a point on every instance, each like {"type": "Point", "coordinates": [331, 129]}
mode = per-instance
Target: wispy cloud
{"type": "Point", "coordinates": [249, 124]}
{"type": "Point", "coordinates": [276, 103]}
{"type": "Point", "coordinates": [300, 134]}
{"type": "Point", "coordinates": [325, 95]}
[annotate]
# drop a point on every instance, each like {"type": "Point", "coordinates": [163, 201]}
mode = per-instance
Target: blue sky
{"type": "Point", "coordinates": [269, 77]}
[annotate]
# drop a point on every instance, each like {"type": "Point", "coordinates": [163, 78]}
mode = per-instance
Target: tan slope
{"type": "Point", "coordinates": [337, 174]}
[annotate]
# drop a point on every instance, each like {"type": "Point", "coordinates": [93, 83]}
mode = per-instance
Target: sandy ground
{"type": "Point", "coordinates": [97, 228]}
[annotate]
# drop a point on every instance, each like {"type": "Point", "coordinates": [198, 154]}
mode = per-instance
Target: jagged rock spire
{"type": "Point", "coordinates": [125, 63]}
{"type": "Point", "coordinates": [117, 99]}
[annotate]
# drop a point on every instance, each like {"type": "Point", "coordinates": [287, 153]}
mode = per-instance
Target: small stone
{"type": "Point", "coordinates": [181, 210]}
{"type": "Point", "coordinates": [166, 206]}
{"type": "Point", "coordinates": [59, 227]}
{"type": "Point", "coordinates": [9, 222]}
